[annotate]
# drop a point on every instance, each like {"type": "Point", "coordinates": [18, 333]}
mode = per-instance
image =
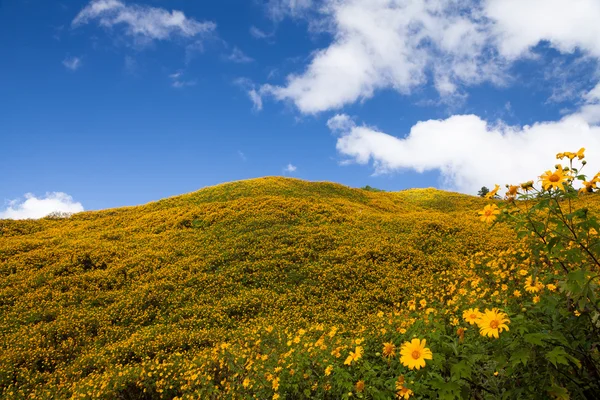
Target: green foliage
{"type": "Point", "coordinates": [372, 189]}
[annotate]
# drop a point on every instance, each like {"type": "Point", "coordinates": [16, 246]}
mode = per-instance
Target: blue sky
{"type": "Point", "coordinates": [109, 103]}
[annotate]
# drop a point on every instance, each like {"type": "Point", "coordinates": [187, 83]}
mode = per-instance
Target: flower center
{"type": "Point", "coordinates": [494, 324]}
{"type": "Point", "coordinates": [554, 178]}
{"type": "Point", "coordinates": [416, 354]}
{"type": "Point", "coordinates": [488, 213]}
{"type": "Point", "coordinates": [473, 316]}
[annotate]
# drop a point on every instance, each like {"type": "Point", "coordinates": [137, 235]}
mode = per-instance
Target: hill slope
{"type": "Point", "coordinates": [83, 295]}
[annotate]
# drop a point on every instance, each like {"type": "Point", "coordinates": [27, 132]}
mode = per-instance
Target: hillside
{"type": "Point", "coordinates": [86, 298]}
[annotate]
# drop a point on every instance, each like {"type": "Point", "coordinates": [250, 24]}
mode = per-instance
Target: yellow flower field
{"type": "Point", "coordinates": [265, 288]}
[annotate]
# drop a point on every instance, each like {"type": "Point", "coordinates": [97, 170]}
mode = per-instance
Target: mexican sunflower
{"type": "Point", "coordinates": [471, 315]}
{"type": "Point", "coordinates": [414, 353]}
{"type": "Point", "coordinates": [554, 180]}
{"type": "Point", "coordinates": [488, 215]}
{"type": "Point", "coordinates": [493, 192]}
{"type": "Point", "coordinates": [492, 322]}
{"type": "Point", "coordinates": [354, 355]}
{"type": "Point", "coordinates": [389, 349]}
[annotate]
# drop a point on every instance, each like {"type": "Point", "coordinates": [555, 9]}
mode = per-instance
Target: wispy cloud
{"type": "Point", "coordinates": [238, 56]}
{"type": "Point", "coordinates": [130, 65]}
{"type": "Point", "coordinates": [289, 168]}
{"type": "Point", "coordinates": [242, 156]}
{"type": "Point", "coordinates": [178, 82]}
{"type": "Point", "coordinates": [72, 63]}
{"type": "Point", "coordinates": [259, 34]}
{"type": "Point", "coordinates": [143, 23]}
{"type": "Point", "coordinates": [34, 207]}
{"type": "Point", "coordinates": [252, 91]}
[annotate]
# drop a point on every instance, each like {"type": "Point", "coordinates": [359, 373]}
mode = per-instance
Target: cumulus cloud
{"type": "Point", "coordinates": [34, 207]}
{"type": "Point", "coordinates": [403, 44]}
{"type": "Point", "coordinates": [567, 25]}
{"type": "Point", "coordinates": [72, 63]}
{"type": "Point", "coordinates": [143, 23]}
{"type": "Point", "coordinates": [468, 151]}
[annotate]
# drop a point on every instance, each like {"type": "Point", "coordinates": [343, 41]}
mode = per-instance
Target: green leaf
{"type": "Point", "coordinates": [557, 356]}
{"type": "Point", "coordinates": [460, 370]}
{"type": "Point", "coordinates": [536, 338]}
{"type": "Point", "coordinates": [520, 356]}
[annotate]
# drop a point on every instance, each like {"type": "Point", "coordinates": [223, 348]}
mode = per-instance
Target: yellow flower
{"type": "Point", "coordinates": [354, 355]}
{"type": "Point", "coordinates": [533, 287]}
{"type": "Point", "coordinates": [560, 156]}
{"type": "Point", "coordinates": [411, 305]}
{"type": "Point", "coordinates": [492, 193]}
{"type": "Point", "coordinates": [414, 353]}
{"type": "Point", "coordinates": [360, 386]}
{"type": "Point", "coordinates": [328, 370]}
{"type": "Point", "coordinates": [551, 287]}
{"type": "Point", "coordinates": [536, 299]}
{"type": "Point", "coordinates": [512, 191]}
{"type": "Point", "coordinates": [471, 315]}
{"type": "Point", "coordinates": [488, 215]}
{"type": "Point", "coordinates": [492, 322]}
{"type": "Point", "coordinates": [461, 334]}
{"type": "Point", "coordinates": [275, 396]}
{"type": "Point", "coordinates": [246, 383]}
{"type": "Point", "coordinates": [423, 303]}
{"type": "Point", "coordinates": [577, 313]}
{"type": "Point", "coordinates": [579, 154]}
{"type": "Point", "coordinates": [404, 393]}
{"type": "Point", "coordinates": [389, 350]}
{"type": "Point", "coordinates": [588, 187]}
{"type": "Point", "coordinates": [554, 180]}
{"type": "Point", "coordinates": [400, 382]}
{"type": "Point", "coordinates": [517, 293]}
{"type": "Point", "coordinates": [276, 384]}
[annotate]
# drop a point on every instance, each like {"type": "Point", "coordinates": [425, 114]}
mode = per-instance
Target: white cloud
{"type": "Point", "coordinates": [391, 44]}
{"type": "Point", "coordinates": [469, 152]}
{"type": "Point", "coordinates": [259, 34]}
{"type": "Point", "coordinates": [566, 24]}
{"type": "Point", "coordinates": [72, 63]}
{"type": "Point", "coordinates": [34, 207]}
{"type": "Point", "coordinates": [289, 168]}
{"type": "Point", "coordinates": [178, 82]}
{"type": "Point", "coordinates": [238, 56]}
{"type": "Point", "coordinates": [403, 44]}
{"type": "Point", "coordinates": [256, 99]}
{"type": "Point", "coordinates": [251, 90]}
{"type": "Point", "coordinates": [143, 23]}
{"type": "Point", "coordinates": [279, 9]}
